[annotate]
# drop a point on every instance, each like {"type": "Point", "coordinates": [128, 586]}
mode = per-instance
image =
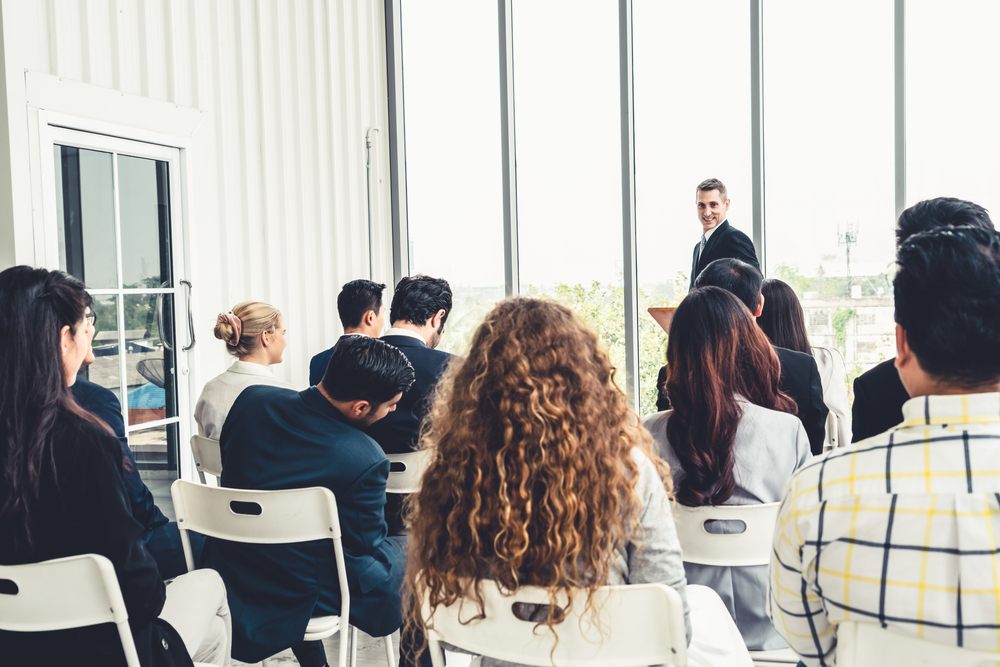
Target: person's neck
{"type": "Point", "coordinates": [342, 408]}
{"type": "Point", "coordinates": [258, 356]}
{"type": "Point", "coordinates": [422, 331]}
{"type": "Point", "coordinates": [935, 388]}
{"type": "Point", "coordinates": [359, 331]}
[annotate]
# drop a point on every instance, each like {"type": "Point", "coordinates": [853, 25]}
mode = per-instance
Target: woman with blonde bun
{"type": "Point", "coordinates": [254, 333]}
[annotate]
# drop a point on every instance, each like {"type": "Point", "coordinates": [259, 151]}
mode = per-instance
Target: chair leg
{"type": "Point", "coordinates": [266, 662]}
{"type": "Point", "coordinates": [345, 638]}
{"type": "Point", "coordinates": [390, 654]}
{"type": "Point", "coordinates": [354, 646]}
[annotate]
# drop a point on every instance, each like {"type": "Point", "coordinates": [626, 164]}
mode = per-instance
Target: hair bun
{"type": "Point", "coordinates": [230, 327]}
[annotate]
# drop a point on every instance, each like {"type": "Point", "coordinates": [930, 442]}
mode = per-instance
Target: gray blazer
{"type": "Point", "coordinates": [770, 446]}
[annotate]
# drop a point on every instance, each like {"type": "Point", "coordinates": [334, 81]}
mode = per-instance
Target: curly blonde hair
{"type": "Point", "coordinates": [531, 480]}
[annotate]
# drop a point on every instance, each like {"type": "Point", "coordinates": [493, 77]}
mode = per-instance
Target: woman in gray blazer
{"type": "Point", "coordinates": [731, 437]}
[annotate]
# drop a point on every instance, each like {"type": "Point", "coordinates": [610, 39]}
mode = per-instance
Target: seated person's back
{"type": "Point", "coordinates": [362, 313]}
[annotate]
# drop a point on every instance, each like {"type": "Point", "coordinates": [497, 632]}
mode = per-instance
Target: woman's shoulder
{"type": "Point", "coordinates": [761, 418]}
{"type": "Point", "coordinates": [82, 444]}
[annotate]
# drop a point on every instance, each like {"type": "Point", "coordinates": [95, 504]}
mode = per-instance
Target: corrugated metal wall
{"type": "Point", "coordinates": [278, 209]}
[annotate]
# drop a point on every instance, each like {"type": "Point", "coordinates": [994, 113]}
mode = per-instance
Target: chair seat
{"type": "Point", "coordinates": [776, 658]}
{"type": "Point", "coordinates": [321, 627]}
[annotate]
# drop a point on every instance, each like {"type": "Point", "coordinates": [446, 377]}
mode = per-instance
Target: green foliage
{"type": "Point", "coordinates": [140, 314]}
{"type": "Point", "coordinates": [832, 287]}
{"type": "Point", "coordinates": [841, 317]}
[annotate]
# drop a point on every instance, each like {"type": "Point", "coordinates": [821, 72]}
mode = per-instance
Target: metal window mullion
{"type": "Point", "coordinates": [152, 290]}
{"type": "Point", "coordinates": [631, 280]}
{"type": "Point", "coordinates": [122, 365]}
{"type": "Point", "coordinates": [512, 277]}
{"type": "Point", "coordinates": [757, 128]}
{"type": "Point", "coordinates": [899, 121]}
{"type": "Point", "coordinates": [397, 140]}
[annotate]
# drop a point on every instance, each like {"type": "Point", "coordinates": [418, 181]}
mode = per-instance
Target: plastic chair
{"type": "Point", "coordinates": [868, 645]}
{"type": "Point", "coordinates": [294, 515]}
{"type": "Point", "coordinates": [751, 547]}
{"type": "Point", "coordinates": [634, 625]}
{"type": "Point", "coordinates": [406, 471]}
{"type": "Point", "coordinates": [65, 593]}
{"type": "Point", "coordinates": [207, 456]}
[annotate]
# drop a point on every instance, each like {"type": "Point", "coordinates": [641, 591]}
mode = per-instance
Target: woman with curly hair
{"type": "Point", "coordinates": [540, 474]}
{"type": "Point", "coordinates": [729, 437]}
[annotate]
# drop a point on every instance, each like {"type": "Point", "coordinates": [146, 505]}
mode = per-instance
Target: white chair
{"type": "Point", "coordinates": [65, 593]}
{"type": "Point", "coordinates": [406, 471]}
{"type": "Point", "coordinates": [207, 456]}
{"type": "Point", "coordinates": [295, 515]}
{"type": "Point", "coordinates": [868, 645]}
{"type": "Point", "coordinates": [634, 625]}
{"type": "Point", "coordinates": [751, 547]}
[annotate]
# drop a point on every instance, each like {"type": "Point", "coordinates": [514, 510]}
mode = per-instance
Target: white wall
{"type": "Point", "coordinates": [275, 97]}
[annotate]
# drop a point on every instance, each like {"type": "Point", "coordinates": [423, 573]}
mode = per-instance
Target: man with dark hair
{"type": "Point", "coordinates": [420, 307]}
{"type": "Point", "coordinates": [277, 438]}
{"type": "Point", "coordinates": [362, 313]}
{"type": "Point", "coordinates": [800, 376]}
{"type": "Point", "coordinates": [719, 239]}
{"type": "Point", "coordinates": [899, 529]}
{"type": "Point", "coordinates": [879, 394]}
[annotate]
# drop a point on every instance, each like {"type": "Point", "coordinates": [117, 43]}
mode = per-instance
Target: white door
{"type": "Point", "coordinates": [114, 205]}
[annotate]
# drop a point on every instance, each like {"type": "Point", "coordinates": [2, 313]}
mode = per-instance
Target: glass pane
{"type": "Point", "coordinates": [691, 74]}
{"type": "Point", "coordinates": [155, 451]}
{"type": "Point", "coordinates": [830, 203]}
{"type": "Point", "coordinates": [453, 165]}
{"type": "Point", "coordinates": [952, 147]}
{"type": "Point", "coordinates": [85, 208]}
{"type": "Point", "coordinates": [106, 369]}
{"type": "Point", "coordinates": [145, 221]}
{"type": "Point", "coordinates": [569, 159]}
{"type": "Point", "coordinates": [149, 364]}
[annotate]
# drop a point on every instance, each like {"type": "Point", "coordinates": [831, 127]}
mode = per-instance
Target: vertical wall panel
{"type": "Point", "coordinates": [278, 203]}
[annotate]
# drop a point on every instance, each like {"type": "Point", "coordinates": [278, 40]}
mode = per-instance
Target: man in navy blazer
{"type": "Point", "coordinates": [277, 438]}
{"type": "Point", "coordinates": [719, 239]}
{"type": "Point", "coordinates": [362, 313]}
{"type": "Point", "coordinates": [419, 310]}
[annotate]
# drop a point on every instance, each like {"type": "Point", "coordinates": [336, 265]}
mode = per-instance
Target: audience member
{"type": "Point", "coordinates": [162, 539]}
{"type": "Point", "coordinates": [62, 492]}
{"type": "Point", "coordinates": [879, 394]}
{"type": "Point", "coordinates": [898, 529]}
{"type": "Point", "coordinates": [420, 307]}
{"type": "Point", "coordinates": [719, 239]}
{"type": "Point", "coordinates": [728, 438]}
{"type": "Point", "coordinates": [541, 476]}
{"type": "Point", "coordinates": [800, 376]}
{"type": "Point", "coordinates": [785, 325]}
{"type": "Point", "coordinates": [255, 334]}
{"type": "Point", "coordinates": [362, 313]}
{"type": "Point", "coordinates": [276, 438]}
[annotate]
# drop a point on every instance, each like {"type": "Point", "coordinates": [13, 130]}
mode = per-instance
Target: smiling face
{"type": "Point", "coordinates": [712, 209]}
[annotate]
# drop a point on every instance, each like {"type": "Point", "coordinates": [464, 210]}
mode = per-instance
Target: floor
{"type": "Point", "coordinates": [371, 653]}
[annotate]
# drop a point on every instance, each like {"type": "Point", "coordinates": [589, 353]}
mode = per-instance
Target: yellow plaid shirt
{"type": "Point", "coordinates": [902, 529]}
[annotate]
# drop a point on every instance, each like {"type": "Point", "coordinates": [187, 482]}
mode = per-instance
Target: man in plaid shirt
{"type": "Point", "coordinates": [903, 529]}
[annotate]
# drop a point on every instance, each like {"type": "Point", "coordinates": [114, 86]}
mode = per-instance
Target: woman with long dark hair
{"type": "Point", "coordinates": [785, 325]}
{"type": "Point", "coordinates": [729, 437]}
{"type": "Point", "coordinates": [62, 491]}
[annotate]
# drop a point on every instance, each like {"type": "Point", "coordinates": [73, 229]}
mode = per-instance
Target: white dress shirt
{"type": "Point", "coordinates": [221, 392]}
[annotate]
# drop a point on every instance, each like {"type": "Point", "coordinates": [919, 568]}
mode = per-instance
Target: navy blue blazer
{"type": "Point", "coordinates": [879, 395]}
{"type": "Point", "coordinates": [800, 379]}
{"type": "Point", "coordinates": [726, 242]}
{"type": "Point", "coordinates": [318, 364]}
{"type": "Point", "coordinates": [277, 438]}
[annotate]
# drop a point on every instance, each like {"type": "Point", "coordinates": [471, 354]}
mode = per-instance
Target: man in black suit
{"type": "Point", "coordinates": [362, 313]}
{"type": "Point", "coordinates": [419, 310]}
{"type": "Point", "coordinates": [800, 377]}
{"type": "Point", "coordinates": [879, 394]}
{"type": "Point", "coordinates": [719, 239]}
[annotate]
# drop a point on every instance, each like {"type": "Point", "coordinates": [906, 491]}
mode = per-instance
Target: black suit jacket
{"type": "Point", "coordinates": [726, 242]}
{"type": "Point", "coordinates": [878, 401]}
{"type": "Point", "coordinates": [800, 379]}
{"type": "Point", "coordinates": [318, 364]}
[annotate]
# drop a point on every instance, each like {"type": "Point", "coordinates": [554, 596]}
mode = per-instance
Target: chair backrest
{"type": "Point", "coordinates": [868, 645]}
{"type": "Point", "coordinates": [751, 547]}
{"type": "Point", "coordinates": [207, 456]}
{"type": "Point", "coordinates": [634, 625]}
{"type": "Point", "coordinates": [406, 471]}
{"type": "Point", "coordinates": [64, 593]}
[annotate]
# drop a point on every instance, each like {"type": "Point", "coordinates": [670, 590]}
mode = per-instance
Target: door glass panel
{"type": "Point", "coordinates": [149, 364]}
{"type": "Point", "coordinates": [155, 451]}
{"type": "Point", "coordinates": [145, 221]}
{"type": "Point", "coordinates": [106, 369]}
{"type": "Point", "coordinates": [85, 206]}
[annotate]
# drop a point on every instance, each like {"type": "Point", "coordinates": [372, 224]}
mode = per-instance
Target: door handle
{"type": "Point", "coordinates": [159, 318]}
{"type": "Point", "coordinates": [187, 301]}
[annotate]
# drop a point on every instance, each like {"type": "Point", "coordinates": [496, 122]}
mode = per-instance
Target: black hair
{"type": "Point", "coordinates": [947, 293]}
{"type": "Point", "coordinates": [366, 369]}
{"type": "Point", "coordinates": [35, 400]}
{"type": "Point", "coordinates": [418, 298]}
{"type": "Point", "coordinates": [941, 212]}
{"type": "Point", "coordinates": [356, 298]}
{"type": "Point", "coordinates": [734, 276]}
{"type": "Point", "coordinates": [782, 319]}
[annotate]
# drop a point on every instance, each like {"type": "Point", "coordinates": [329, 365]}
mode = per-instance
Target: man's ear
{"type": "Point", "coordinates": [436, 319]}
{"type": "Point", "coordinates": [360, 408]}
{"type": "Point", "coordinates": [760, 307]}
{"type": "Point", "coordinates": [368, 318]}
{"type": "Point", "coordinates": [904, 354]}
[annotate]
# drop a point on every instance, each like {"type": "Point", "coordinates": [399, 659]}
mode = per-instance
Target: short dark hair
{"type": "Point", "coordinates": [356, 298]}
{"type": "Point", "coordinates": [947, 292]}
{"type": "Point", "coordinates": [941, 212]}
{"type": "Point", "coordinates": [417, 298]}
{"type": "Point", "coordinates": [366, 369]}
{"type": "Point", "coordinates": [736, 276]}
